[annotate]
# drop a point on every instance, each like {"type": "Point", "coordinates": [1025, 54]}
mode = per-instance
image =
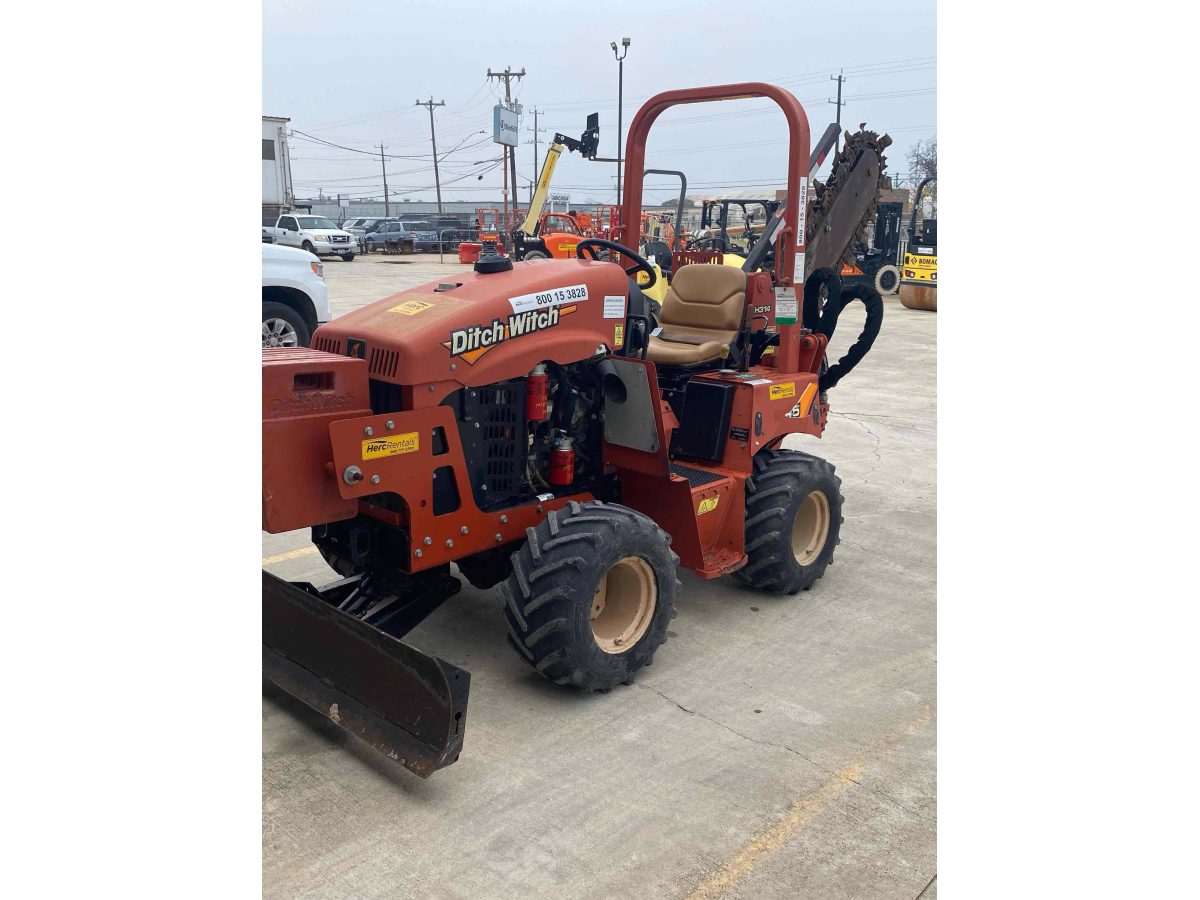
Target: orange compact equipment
{"type": "Point", "coordinates": [532, 423]}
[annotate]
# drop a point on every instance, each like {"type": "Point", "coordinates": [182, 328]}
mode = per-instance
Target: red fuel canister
{"type": "Point", "coordinates": [562, 463]}
{"type": "Point", "coordinates": [536, 386]}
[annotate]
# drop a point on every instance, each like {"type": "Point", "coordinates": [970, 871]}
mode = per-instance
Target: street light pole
{"type": "Point", "coordinates": [620, 102]}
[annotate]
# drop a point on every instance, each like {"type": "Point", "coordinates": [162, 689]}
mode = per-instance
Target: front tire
{"type": "Point", "coordinates": [793, 521]}
{"type": "Point", "coordinates": [347, 257]}
{"type": "Point", "coordinates": [536, 254]}
{"type": "Point", "coordinates": [887, 280]}
{"type": "Point", "coordinates": [282, 326]}
{"type": "Point", "coordinates": [591, 594]}
{"type": "Point", "coordinates": [370, 246]}
{"type": "Point", "coordinates": [309, 247]}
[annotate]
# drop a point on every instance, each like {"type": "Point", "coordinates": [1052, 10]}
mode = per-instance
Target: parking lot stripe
{"type": "Point", "coordinates": [803, 811]}
{"type": "Point", "coordinates": [303, 551]}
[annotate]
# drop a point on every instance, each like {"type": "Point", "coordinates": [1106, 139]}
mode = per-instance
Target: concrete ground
{"type": "Point", "coordinates": [778, 747]}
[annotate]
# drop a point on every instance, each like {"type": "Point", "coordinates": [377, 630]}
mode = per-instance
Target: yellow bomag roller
{"type": "Point", "coordinates": [918, 276]}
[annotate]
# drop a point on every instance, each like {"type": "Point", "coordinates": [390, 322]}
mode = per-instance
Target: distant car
{"type": "Point", "coordinates": [294, 297]}
{"type": "Point", "coordinates": [388, 234]}
{"type": "Point", "coordinates": [424, 235]}
{"type": "Point", "coordinates": [360, 227]}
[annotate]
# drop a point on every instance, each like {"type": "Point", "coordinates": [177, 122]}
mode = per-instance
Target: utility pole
{"type": "Point", "coordinates": [536, 172]}
{"type": "Point", "coordinates": [837, 144]}
{"type": "Point", "coordinates": [387, 209]}
{"type": "Point", "coordinates": [433, 138]}
{"type": "Point", "coordinates": [620, 104]}
{"type": "Point", "coordinates": [511, 152]}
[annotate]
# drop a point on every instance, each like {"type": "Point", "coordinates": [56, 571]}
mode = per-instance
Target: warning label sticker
{"type": "Point", "coordinates": [391, 445]}
{"type": "Point", "coordinates": [411, 308]}
{"type": "Point", "coordinates": [614, 307]}
{"type": "Point", "coordinates": [786, 307]}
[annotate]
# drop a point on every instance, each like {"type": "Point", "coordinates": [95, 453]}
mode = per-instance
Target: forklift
{"type": "Point", "coordinates": [714, 233]}
{"type": "Point", "coordinates": [879, 264]}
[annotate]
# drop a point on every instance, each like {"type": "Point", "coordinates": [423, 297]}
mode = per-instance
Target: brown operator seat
{"type": "Point", "coordinates": [701, 313]}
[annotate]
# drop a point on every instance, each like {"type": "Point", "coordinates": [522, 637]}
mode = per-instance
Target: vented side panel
{"type": "Point", "coordinates": [501, 412]}
{"type": "Point", "coordinates": [383, 362]}
{"type": "Point", "coordinates": [492, 428]}
{"type": "Point", "coordinates": [328, 345]}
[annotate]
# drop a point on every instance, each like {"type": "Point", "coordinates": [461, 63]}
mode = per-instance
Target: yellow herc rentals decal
{"type": "Point", "coordinates": [391, 445]}
{"type": "Point", "coordinates": [708, 505]}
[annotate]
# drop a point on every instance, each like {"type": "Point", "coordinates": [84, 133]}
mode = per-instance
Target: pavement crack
{"type": "Point", "coordinates": [806, 758]}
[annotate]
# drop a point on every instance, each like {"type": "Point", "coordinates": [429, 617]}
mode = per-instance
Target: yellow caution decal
{"type": "Point", "coordinates": [708, 505]}
{"type": "Point", "coordinates": [618, 335]}
{"type": "Point", "coordinates": [783, 391]}
{"type": "Point", "coordinates": [411, 308]}
{"type": "Point", "coordinates": [390, 445]}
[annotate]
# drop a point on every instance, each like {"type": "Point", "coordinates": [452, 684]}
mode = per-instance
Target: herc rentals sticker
{"type": "Point", "coordinates": [781, 391]}
{"type": "Point", "coordinates": [471, 343]}
{"type": "Point", "coordinates": [390, 445]}
{"type": "Point", "coordinates": [708, 505]}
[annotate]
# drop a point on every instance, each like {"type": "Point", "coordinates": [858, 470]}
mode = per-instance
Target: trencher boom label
{"type": "Point", "coordinates": [471, 343]}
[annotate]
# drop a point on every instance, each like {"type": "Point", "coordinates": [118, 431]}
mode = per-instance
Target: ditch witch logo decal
{"type": "Point", "coordinates": [471, 343]}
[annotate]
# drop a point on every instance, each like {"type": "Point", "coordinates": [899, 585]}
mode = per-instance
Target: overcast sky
{"type": "Point", "coordinates": [349, 73]}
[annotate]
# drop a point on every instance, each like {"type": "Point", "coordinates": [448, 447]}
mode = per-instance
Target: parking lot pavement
{"type": "Point", "coordinates": [373, 276]}
{"type": "Point", "coordinates": [778, 747]}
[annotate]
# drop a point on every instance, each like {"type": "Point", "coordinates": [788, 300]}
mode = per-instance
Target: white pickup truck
{"type": "Point", "coordinates": [316, 234]}
{"type": "Point", "coordinates": [295, 300]}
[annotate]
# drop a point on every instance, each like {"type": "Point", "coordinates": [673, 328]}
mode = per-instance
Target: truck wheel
{"type": "Point", "coordinates": [370, 246]}
{"type": "Point", "coordinates": [536, 254]}
{"type": "Point", "coordinates": [307, 246]}
{"type": "Point", "coordinates": [282, 326]}
{"type": "Point", "coordinates": [348, 257]}
{"type": "Point", "coordinates": [591, 593]}
{"type": "Point", "coordinates": [887, 279]}
{"type": "Point", "coordinates": [793, 521]}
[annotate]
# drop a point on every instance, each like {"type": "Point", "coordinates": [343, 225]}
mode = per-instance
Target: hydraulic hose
{"type": "Point", "coordinates": [874, 304]}
{"type": "Point", "coordinates": [825, 277]}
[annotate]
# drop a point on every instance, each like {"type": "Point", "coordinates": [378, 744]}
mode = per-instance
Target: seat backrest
{"type": "Point", "coordinates": [705, 298]}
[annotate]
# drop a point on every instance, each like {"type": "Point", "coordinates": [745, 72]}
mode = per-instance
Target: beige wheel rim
{"type": "Point", "coordinates": [624, 605]}
{"type": "Point", "coordinates": [811, 528]}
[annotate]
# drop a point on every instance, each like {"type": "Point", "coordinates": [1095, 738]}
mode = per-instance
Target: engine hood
{"type": "Point", "coordinates": [486, 328]}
